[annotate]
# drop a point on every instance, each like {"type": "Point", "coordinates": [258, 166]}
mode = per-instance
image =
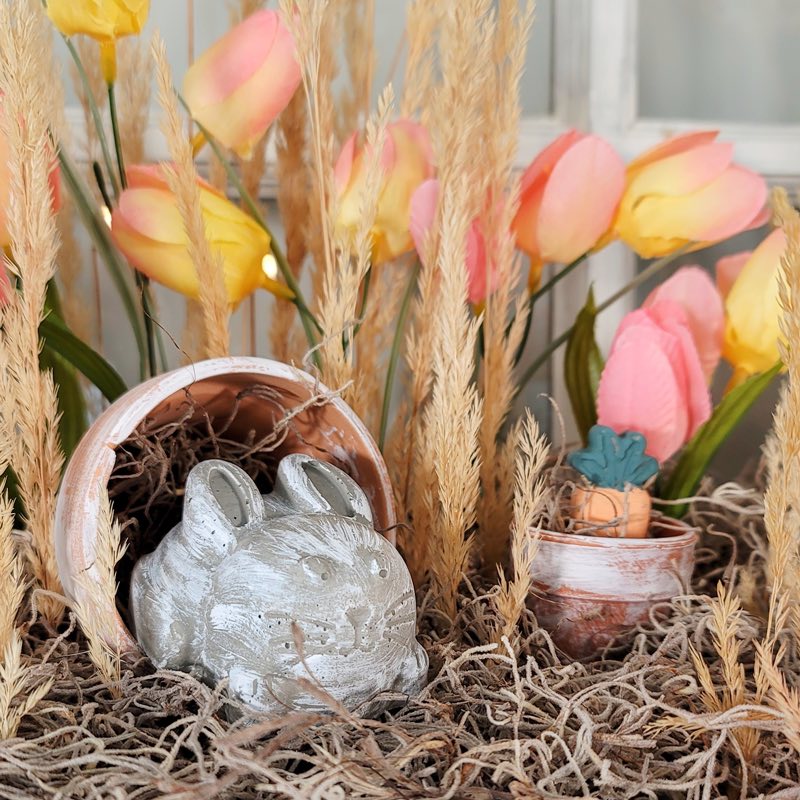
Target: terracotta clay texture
{"type": "Point", "coordinates": [599, 506]}
{"type": "Point", "coordinates": [329, 431]}
{"type": "Point", "coordinates": [589, 590]}
{"type": "Point", "coordinates": [263, 592]}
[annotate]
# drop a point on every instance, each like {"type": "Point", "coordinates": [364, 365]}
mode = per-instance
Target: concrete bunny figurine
{"type": "Point", "coordinates": [225, 591]}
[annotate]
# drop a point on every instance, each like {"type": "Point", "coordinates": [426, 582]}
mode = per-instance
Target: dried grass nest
{"type": "Point", "coordinates": [517, 720]}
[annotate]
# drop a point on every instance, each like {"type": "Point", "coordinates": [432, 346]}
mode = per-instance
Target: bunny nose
{"type": "Point", "coordinates": [357, 618]}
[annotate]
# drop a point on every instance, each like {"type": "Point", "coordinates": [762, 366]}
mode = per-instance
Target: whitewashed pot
{"type": "Point", "coordinates": [331, 431]}
{"type": "Point", "coordinates": [590, 590]}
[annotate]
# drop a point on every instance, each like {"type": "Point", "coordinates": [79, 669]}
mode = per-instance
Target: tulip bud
{"type": "Point", "coordinates": [406, 162]}
{"type": "Point", "coordinates": [752, 328]}
{"type": "Point", "coordinates": [694, 291]}
{"type": "Point", "coordinates": [653, 381]}
{"type": "Point", "coordinates": [240, 84]}
{"type": "Point", "coordinates": [103, 20]}
{"type": "Point", "coordinates": [687, 190]}
{"type": "Point", "coordinates": [148, 229]}
{"type": "Point", "coordinates": [568, 197]}
{"type": "Point", "coordinates": [424, 203]}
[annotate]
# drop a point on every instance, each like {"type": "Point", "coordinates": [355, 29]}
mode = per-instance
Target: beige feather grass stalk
{"type": "Point", "coordinates": [12, 570]}
{"type": "Point", "coordinates": [339, 307]}
{"type": "Point", "coordinates": [89, 52]}
{"type": "Point", "coordinates": [292, 172]}
{"type": "Point", "coordinates": [453, 416]}
{"type": "Point", "coordinates": [357, 20]}
{"type": "Point", "coordinates": [182, 178]}
{"type": "Point", "coordinates": [782, 496]}
{"type": "Point", "coordinates": [134, 82]}
{"type": "Point", "coordinates": [314, 27]}
{"type": "Point", "coordinates": [29, 412]}
{"type": "Point", "coordinates": [530, 498]}
{"type": "Point", "coordinates": [98, 593]}
{"type": "Point", "coordinates": [502, 112]}
{"type": "Point", "coordinates": [422, 22]}
{"type": "Point", "coordinates": [18, 695]}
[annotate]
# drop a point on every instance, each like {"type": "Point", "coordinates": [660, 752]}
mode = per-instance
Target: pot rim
{"type": "Point", "coordinates": [676, 540]}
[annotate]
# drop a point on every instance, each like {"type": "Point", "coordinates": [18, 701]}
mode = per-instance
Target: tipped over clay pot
{"type": "Point", "coordinates": [590, 590]}
{"type": "Point", "coordinates": [329, 431]}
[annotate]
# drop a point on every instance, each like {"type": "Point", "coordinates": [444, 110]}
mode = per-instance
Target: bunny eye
{"type": "Point", "coordinates": [317, 567]}
{"type": "Point", "coordinates": [380, 568]}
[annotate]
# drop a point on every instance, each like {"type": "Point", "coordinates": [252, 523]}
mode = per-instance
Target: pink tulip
{"type": "Point", "coordinates": [424, 203]}
{"type": "Point", "coordinates": [694, 291]}
{"type": "Point", "coordinates": [687, 190]}
{"type": "Point", "coordinates": [568, 198]}
{"type": "Point", "coordinates": [238, 86]}
{"type": "Point", "coordinates": [653, 381]}
{"type": "Point", "coordinates": [406, 162]}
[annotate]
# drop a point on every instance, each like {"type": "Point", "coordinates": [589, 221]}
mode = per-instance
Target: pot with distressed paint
{"type": "Point", "coordinates": [590, 590]}
{"type": "Point", "coordinates": [330, 431]}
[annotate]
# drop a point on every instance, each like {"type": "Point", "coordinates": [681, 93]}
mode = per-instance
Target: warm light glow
{"type": "Point", "coordinates": [270, 266]}
{"type": "Point", "coordinates": [106, 213]}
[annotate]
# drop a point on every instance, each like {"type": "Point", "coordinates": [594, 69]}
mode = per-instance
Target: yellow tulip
{"type": "Point", "coordinates": [685, 190]}
{"type": "Point", "coordinates": [752, 326]}
{"type": "Point", "coordinates": [104, 20]}
{"type": "Point", "coordinates": [406, 161]}
{"type": "Point", "coordinates": [148, 229]}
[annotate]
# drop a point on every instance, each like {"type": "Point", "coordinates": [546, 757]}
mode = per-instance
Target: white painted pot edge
{"type": "Point", "coordinates": [621, 570]}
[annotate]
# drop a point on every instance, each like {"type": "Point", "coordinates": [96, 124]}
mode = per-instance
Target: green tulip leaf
{"type": "Point", "coordinates": [71, 402]}
{"type": "Point", "coordinates": [703, 446]}
{"type": "Point", "coordinates": [58, 338]}
{"type": "Point", "coordinates": [582, 367]}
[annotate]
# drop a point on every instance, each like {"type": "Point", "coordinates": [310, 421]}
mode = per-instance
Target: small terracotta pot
{"type": "Point", "coordinates": [590, 590]}
{"type": "Point", "coordinates": [331, 432]}
{"type": "Point", "coordinates": [598, 506]}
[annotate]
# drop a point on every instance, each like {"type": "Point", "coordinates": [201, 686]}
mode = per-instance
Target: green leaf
{"type": "Point", "coordinates": [71, 402]}
{"type": "Point", "coordinates": [693, 463]}
{"type": "Point", "coordinates": [58, 338]}
{"type": "Point", "coordinates": [582, 367]}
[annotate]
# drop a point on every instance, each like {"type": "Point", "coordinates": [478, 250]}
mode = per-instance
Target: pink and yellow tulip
{"type": "Point", "coordinates": [752, 326]}
{"type": "Point", "coordinates": [148, 229]}
{"type": "Point", "coordinates": [687, 190]}
{"type": "Point", "coordinates": [653, 381]}
{"type": "Point", "coordinates": [406, 162]}
{"type": "Point", "coordinates": [568, 198]}
{"type": "Point", "coordinates": [694, 291]}
{"type": "Point", "coordinates": [424, 203]}
{"type": "Point", "coordinates": [238, 87]}
{"type": "Point", "coordinates": [103, 20]}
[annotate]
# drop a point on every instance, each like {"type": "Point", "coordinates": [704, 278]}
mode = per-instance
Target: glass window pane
{"type": "Point", "coordinates": [730, 60]}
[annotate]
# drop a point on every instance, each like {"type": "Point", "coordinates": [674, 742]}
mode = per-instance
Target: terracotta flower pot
{"type": "Point", "coordinates": [589, 590]}
{"type": "Point", "coordinates": [595, 506]}
{"type": "Point", "coordinates": [331, 432]}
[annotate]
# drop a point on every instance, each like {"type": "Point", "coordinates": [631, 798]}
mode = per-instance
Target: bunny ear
{"type": "Point", "coordinates": [220, 497]}
{"type": "Point", "coordinates": [312, 486]}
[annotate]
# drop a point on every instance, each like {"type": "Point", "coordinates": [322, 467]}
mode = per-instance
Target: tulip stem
{"type": "Point", "coordinates": [641, 278]}
{"type": "Point", "coordinates": [540, 292]}
{"type": "Point", "coordinates": [95, 112]}
{"type": "Point", "coordinates": [307, 319]}
{"type": "Point", "coordinates": [394, 355]}
{"type": "Point", "coordinates": [142, 281]}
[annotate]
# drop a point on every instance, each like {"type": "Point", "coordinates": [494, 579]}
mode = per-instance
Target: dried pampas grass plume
{"type": "Point", "coordinates": [182, 178]}
{"type": "Point", "coordinates": [100, 593]}
{"type": "Point", "coordinates": [530, 499]}
{"type": "Point", "coordinates": [28, 407]}
{"type": "Point", "coordinates": [135, 77]}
